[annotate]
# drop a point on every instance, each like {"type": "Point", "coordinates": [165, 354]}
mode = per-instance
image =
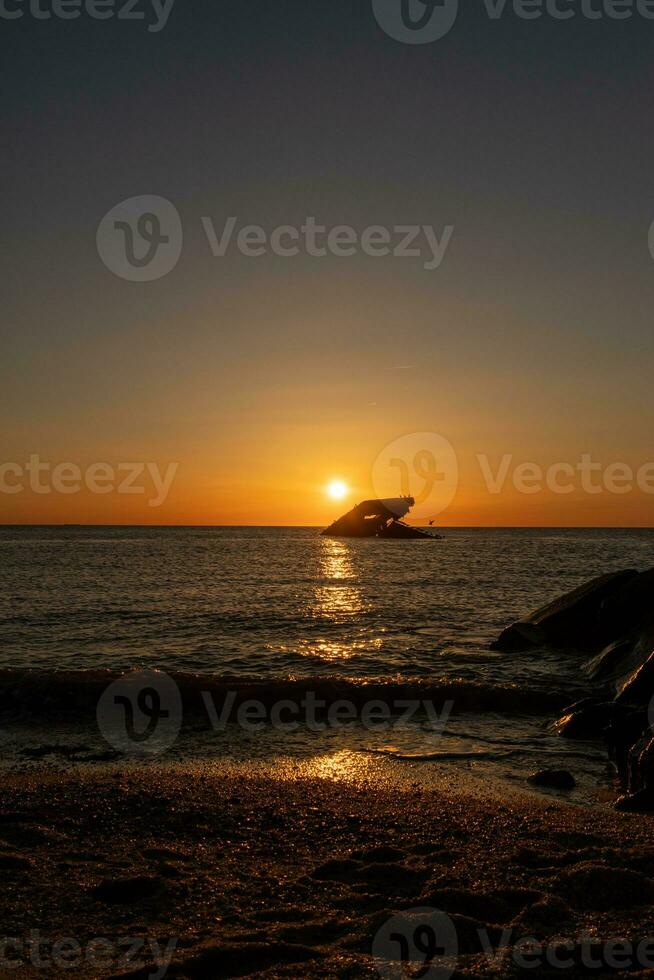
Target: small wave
{"type": "Point", "coordinates": [43, 692]}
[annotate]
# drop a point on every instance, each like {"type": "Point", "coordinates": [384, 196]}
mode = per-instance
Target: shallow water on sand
{"type": "Point", "coordinates": [285, 603]}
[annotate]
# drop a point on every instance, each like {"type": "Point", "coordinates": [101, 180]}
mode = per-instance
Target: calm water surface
{"type": "Point", "coordinates": [272, 601]}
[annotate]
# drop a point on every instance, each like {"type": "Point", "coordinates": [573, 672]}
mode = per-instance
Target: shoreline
{"type": "Point", "coordinates": [293, 874]}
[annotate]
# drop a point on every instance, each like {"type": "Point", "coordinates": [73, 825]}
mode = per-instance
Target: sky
{"type": "Point", "coordinates": [524, 146]}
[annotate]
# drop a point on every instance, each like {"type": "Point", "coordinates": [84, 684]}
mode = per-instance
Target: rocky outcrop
{"type": "Point", "coordinates": [575, 620]}
{"type": "Point", "coordinates": [611, 617]}
{"type": "Point", "coordinates": [638, 688]}
{"type": "Point", "coordinates": [585, 719]}
{"type": "Point", "coordinates": [553, 779]}
{"type": "Point", "coordinates": [630, 606]}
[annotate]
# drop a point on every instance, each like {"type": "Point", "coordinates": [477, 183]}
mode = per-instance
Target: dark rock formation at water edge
{"type": "Point", "coordinates": [611, 618]}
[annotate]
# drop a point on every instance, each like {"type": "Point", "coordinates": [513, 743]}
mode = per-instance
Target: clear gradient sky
{"type": "Point", "coordinates": [264, 378]}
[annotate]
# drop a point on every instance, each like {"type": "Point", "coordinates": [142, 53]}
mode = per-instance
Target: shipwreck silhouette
{"type": "Point", "coordinates": [377, 519]}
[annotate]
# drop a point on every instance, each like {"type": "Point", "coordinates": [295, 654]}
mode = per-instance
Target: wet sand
{"type": "Point", "coordinates": [250, 874]}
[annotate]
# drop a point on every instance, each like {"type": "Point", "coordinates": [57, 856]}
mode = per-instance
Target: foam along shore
{"type": "Point", "coordinates": [612, 619]}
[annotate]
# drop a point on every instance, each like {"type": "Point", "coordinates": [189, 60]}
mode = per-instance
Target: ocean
{"type": "Point", "coordinates": [285, 606]}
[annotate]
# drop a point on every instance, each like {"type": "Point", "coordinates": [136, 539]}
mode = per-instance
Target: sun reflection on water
{"type": "Point", "coordinates": [341, 766]}
{"type": "Point", "coordinates": [336, 596]}
{"type": "Point", "coordinates": [336, 599]}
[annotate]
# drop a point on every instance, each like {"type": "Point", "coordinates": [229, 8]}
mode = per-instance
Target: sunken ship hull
{"type": "Point", "coordinates": [377, 519]}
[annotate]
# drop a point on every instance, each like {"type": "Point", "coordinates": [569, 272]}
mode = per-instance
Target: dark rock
{"type": "Point", "coordinates": [640, 764]}
{"type": "Point", "coordinates": [639, 802]}
{"type": "Point", "coordinates": [638, 689]}
{"type": "Point", "coordinates": [554, 778]}
{"type": "Point", "coordinates": [571, 621]}
{"type": "Point", "coordinates": [585, 719]}
{"type": "Point", "coordinates": [645, 641]}
{"type": "Point", "coordinates": [620, 668]}
{"type": "Point", "coordinates": [613, 662]}
{"type": "Point", "coordinates": [629, 605]}
{"type": "Point", "coordinates": [598, 887]}
{"type": "Point", "coordinates": [627, 727]}
{"type": "Point", "coordinates": [519, 636]}
{"type": "Point", "coordinates": [124, 891]}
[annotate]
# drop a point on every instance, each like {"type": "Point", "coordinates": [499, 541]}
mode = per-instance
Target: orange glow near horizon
{"type": "Point", "coordinates": [285, 494]}
{"type": "Point", "coordinates": [247, 452]}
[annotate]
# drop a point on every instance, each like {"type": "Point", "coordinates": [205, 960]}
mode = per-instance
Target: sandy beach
{"type": "Point", "coordinates": [233, 873]}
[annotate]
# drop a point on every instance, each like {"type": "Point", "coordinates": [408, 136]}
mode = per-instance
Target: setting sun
{"type": "Point", "coordinates": [337, 490]}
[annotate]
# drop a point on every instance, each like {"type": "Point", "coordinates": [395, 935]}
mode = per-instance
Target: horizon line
{"type": "Point", "coordinates": [437, 527]}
